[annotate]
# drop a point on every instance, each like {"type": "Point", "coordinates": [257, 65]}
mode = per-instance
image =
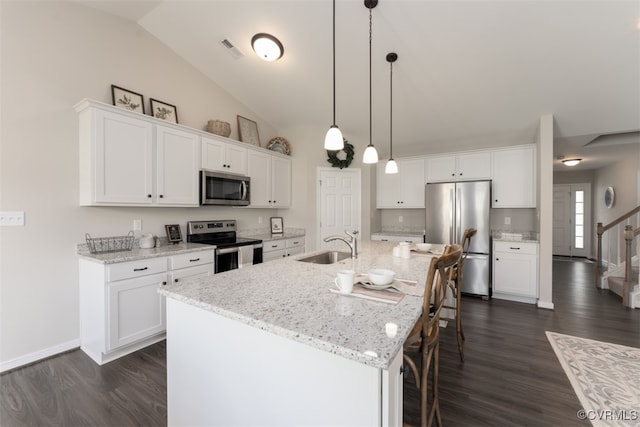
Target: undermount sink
{"type": "Point", "coordinates": [328, 257]}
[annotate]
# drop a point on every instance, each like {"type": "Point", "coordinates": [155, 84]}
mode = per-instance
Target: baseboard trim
{"type": "Point", "coordinates": [39, 355]}
{"type": "Point", "coordinates": [545, 304]}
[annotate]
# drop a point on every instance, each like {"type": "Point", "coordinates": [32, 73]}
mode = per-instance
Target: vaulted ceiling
{"type": "Point", "coordinates": [469, 74]}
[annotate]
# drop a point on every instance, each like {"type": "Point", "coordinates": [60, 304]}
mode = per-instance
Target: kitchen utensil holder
{"type": "Point", "coordinates": [99, 245]}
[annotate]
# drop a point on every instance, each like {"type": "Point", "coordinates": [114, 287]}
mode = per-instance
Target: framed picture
{"type": "Point", "coordinates": [248, 131]}
{"type": "Point", "coordinates": [276, 225]}
{"type": "Point", "coordinates": [174, 235]}
{"type": "Point", "coordinates": [127, 99]}
{"type": "Point", "coordinates": [162, 110]}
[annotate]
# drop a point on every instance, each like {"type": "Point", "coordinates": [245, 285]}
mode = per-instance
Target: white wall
{"type": "Point", "coordinates": [53, 55]}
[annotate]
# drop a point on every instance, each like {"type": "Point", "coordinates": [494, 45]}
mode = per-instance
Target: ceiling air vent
{"type": "Point", "coordinates": [232, 49]}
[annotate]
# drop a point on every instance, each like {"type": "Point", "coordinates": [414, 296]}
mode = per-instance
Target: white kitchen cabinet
{"type": "Point", "coordinates": [218, 155]}
{"type": "Point", "coordinates": [404, 189]}
{"type": "Point", "coordinates": [177, 167]}
{"type": "Point", "coordinates": [191, 265]}
{"type": "Point", "coordinates": [121, 310]}
{"type": "Point", "coordinates": [270, 179]}
{"type": "Point", "coordinates": [129, 159]}
{"type": "Point", "coordinates": [514, 177]}
{"type": "Point", "coordinates": [282, 248]}
{"type": "Point", "coordinates": [459, 167]}
{"type": "Point", "coordinates": [515, 271]}
{"type": "Point", "coordinates": [135, 310]}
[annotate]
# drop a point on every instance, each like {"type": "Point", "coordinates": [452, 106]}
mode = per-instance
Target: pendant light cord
{"type": "Point", "coordinates": [370, 100]}
{"type": "Point", "coordinates": [391, 112]}
{"type": "Point", "coordinates": [334, 62]}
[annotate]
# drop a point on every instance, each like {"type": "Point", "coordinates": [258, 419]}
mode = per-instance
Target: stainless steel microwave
{"type": "Point", "coordinates": [218, 188]}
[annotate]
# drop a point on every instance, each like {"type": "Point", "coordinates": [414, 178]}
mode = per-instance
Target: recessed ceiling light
{"type": "Point", "coordinates": [267, 47]}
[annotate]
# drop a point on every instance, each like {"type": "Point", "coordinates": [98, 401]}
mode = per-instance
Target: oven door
{"type": "Point", "coordinates": [226, 259]}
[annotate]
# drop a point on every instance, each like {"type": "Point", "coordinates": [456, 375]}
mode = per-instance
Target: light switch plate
{"type": "Point", "coordinates": [12, 218]}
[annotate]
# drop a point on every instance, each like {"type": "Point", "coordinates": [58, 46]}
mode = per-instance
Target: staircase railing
{"type": "Point", "coordinates": [629, 234]}
{"type": "Point", "coordinates": [601, 229]}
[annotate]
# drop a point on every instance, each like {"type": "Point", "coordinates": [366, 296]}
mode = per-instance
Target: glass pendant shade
{"type": "Point", "coordinates": [391, 167]}
{"type": "Point", "coordinates": [370, 155]}
{"type": "Point", "coordinates": [333, 140]}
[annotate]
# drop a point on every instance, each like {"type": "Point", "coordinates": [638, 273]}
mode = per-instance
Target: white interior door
{"type": "Point", "coordinates": [339, 198]}
{"type": "Point", "coordinates": [562, 219]}
{"type": "Point", "coordinates": [572, 226]}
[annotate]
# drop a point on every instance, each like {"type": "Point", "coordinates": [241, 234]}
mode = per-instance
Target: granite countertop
{"type": "Point", "coordinates": [138, 253]}
{"type": "Point", "coordinates": [399, 233]}
{"type": "Point", "coordinates": [515, 236]}
{"type": "Point", "coordinates": [266, 236]}
{"type": "Point", "coordinates": [292, 299]}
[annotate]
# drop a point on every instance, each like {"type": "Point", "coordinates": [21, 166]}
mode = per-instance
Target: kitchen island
{"type": "Point", "coordinates": [271, 345]}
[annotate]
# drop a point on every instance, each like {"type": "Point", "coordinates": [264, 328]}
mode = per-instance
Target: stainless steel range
{"type": "Point", "coordinates": [231, 251]}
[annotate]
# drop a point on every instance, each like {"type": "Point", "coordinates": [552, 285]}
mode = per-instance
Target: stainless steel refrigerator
{"type": "Point", "coordinates": [451, 208]}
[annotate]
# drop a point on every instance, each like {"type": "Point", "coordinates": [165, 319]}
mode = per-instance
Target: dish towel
{"type": "Point", "coordinates": [245, 256]}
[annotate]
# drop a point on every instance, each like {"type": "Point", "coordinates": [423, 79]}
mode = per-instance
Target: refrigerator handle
{"type": "Point", "coordinates": [453, 214]}
{"type": "Point", "coordinates": [458, 234]}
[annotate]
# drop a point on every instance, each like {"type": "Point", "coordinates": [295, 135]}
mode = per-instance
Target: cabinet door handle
{"type": "Point", "coordinates": [194, 260]}
{"type": "Point", "coordinates": [511, 247]}
{"type": "Point", "coordinates": [141, 269]}
{"type": "Point", "coordinates": [175, 280]}
{"type": "Point", "coordinates": [164, 283]}
{"type": "Point", "coordinates": [149, 195]}
{"type": "Point", "coordinates": [161, 196]}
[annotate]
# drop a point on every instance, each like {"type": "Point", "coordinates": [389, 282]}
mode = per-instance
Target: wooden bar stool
{"type": "Point", "coordinates": [456, 288]}
{"type": "Point", "coordinates": [423, 340]}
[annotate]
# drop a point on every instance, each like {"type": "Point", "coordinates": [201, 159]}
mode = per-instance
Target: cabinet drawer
{"type": "Point", "coordinates": [130, 270]}
{"type": "Point", "coordinates": [516, 247]}
{"type": "Point", "coordinates": [273, 245]}
{"type": "Point", "coordinates": [295, 242]}
{"type": "Point", "coordinates": [190, 259]}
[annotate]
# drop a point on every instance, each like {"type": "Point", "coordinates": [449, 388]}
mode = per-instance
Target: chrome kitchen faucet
{"type": "Point", "coordinates": [352, 242]}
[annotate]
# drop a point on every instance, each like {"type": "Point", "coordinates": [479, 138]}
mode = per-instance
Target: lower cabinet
{"type": "Point", "coordinates": [120, 308]}
{"type": "Point", "coordinates": [282, 248]}
{"type": "Point", "coordinates": [515, 271]}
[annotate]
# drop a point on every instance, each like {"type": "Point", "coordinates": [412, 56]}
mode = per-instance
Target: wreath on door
{"type": "Point", "coordinates": [336, 161]}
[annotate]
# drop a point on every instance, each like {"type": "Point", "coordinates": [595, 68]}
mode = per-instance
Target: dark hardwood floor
{"type": "Point", "coordinates": [510, 377]}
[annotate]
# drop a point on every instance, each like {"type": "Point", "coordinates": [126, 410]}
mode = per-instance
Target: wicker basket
{"type": "Point", "coordinates": [99, 245]}
{"type": "Point", "coordinates": [219, 127]}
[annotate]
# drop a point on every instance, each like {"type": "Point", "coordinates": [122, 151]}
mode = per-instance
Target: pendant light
{"type": "Point", "coordinates": [391, 166]}
{"type": "Point", "coordinates": [370, 154]}
{"type": "Point", "coordinates": [334, 140]}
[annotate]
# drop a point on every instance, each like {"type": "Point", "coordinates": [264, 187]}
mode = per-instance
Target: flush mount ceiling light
{"type": "Point", "coordinates": [571, 162]}
{"type": "Point", "coordinates": [267, 47]}
{"type": "Point", "coordinates": [370, 153]}
{"type": "Point", "coordinates": [391, 166]}
{"type": "Point", "coordinates": [334, 140]}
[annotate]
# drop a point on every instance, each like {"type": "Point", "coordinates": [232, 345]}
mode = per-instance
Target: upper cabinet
{"type": "Point", "coordinates": [459, 167]}
{"type": "Point", "coordinates": [127, 159]}
{"type": "Point", "coordinates": [514, 177]}
{"type": "Point", "coordinates": [223, 156]}
{"type": "Point", "coordinates": [270, 175]}
{"type": "Point", "coordinates": [404, 189]}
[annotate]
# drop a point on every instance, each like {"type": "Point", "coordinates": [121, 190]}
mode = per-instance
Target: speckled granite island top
{"type": "Point", "coordinates": [291, 299]}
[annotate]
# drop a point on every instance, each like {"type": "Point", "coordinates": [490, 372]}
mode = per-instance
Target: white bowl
{"type": "Point", "coordinates": [381, 276]}
{"type": "Point", "coordinates": [424, 247]}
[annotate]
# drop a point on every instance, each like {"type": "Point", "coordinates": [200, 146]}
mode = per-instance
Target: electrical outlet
{"type": "Point", "coordinates": [400, 218]}
{"type": "Point", "coordinates": [13, 218]}
{"type": "Point", "coordinates": [507, 220]}
{"type": "Point", "coordinates": [137, 224]}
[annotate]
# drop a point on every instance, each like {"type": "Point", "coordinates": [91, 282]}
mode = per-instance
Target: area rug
{"type": "Point", "coordinates": [605, 377]}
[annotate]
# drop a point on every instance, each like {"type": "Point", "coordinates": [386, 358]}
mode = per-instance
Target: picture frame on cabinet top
{"type": "Point", "coordinates": [127, 99]}
{"type": "Point", "coordinates": [248, 131]}
{"type": "Point", "coordinates": [163, 111]}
